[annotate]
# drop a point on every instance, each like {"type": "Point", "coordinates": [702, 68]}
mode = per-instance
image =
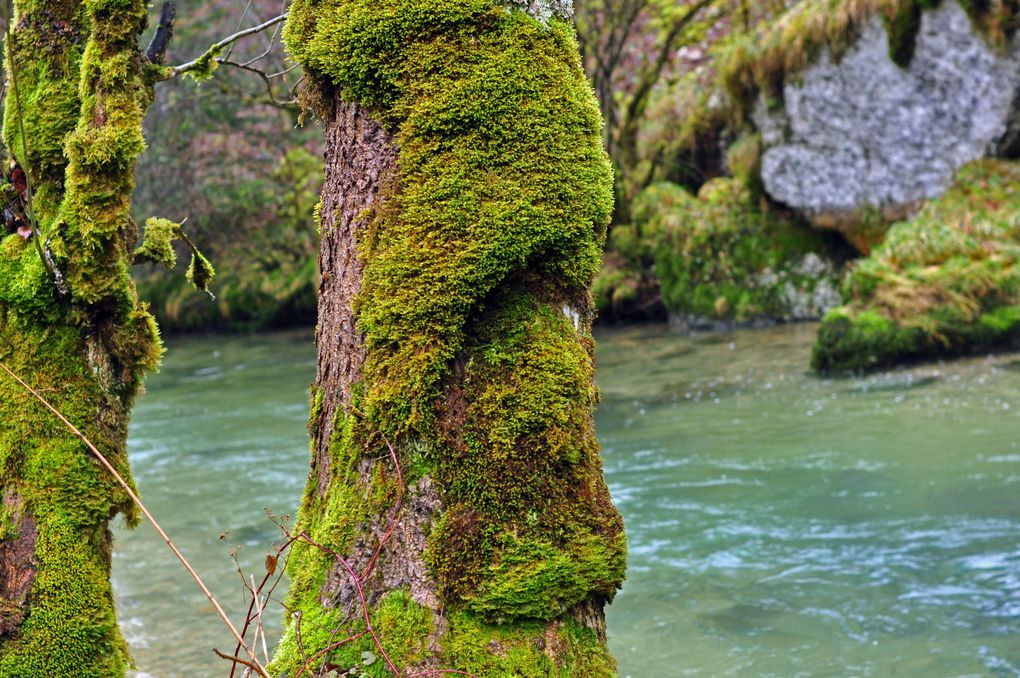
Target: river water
{"type": "Point", "coordinates": [780, 524]}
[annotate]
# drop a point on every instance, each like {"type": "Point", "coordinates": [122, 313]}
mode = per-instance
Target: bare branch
{"type": "Point", "coordinates": [240, 22]}
{"type": "Point", "coordinates": [156, 51]}
{"type": "Point", "coordinates": [214, 52]}
{"type": "Point", "coordinates": [285, 103]}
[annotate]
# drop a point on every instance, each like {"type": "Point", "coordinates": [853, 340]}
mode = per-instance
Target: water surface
{"type": "Point", "coordinates": [779, 524]}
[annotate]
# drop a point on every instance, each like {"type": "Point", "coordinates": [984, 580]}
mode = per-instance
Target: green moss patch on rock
{"type": "Point", "coordinates": [943, 283]}
{"type": "Point", "coordinates": [724, 257]}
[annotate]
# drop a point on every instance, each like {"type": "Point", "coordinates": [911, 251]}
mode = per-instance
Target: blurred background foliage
{"type": "Point", "coordinates": [232, 159]}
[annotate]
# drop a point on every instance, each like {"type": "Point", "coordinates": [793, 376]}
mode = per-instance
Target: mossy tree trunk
{"type": "Point", "coordinates": [82, 87]}
{"type": "Point", "coordinates": [463, 215]}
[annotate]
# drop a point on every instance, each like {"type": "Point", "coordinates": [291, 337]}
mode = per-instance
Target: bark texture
{"type": "Point", "coordinates": [464, 209]}
{"type": "Point", "coordinates": [359, 155]}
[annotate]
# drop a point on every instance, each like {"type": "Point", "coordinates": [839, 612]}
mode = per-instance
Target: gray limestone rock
{"type": "Point", "coordinates": [862, 132]}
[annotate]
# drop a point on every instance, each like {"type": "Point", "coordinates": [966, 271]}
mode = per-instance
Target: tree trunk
{"type": "Point", "coordinates": [456, 484]}
{"type": "Point", "coordinates": [77, 83]}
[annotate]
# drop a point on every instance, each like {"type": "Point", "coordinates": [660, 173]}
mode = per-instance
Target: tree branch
{"type": "Point", "coordinates": [156, 51]}
{"type": "Point", "coordinates": [214, 52]}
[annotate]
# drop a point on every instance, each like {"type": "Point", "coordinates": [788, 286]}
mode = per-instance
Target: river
{"type": "Point", "coordinates": [780, 524]}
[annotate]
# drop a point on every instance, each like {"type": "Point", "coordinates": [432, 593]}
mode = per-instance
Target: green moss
{"type": "Point", "coordinates": [157, 246]}
{"type": "Point", "coordinates": [85, 353]}
{"type": "Point", "coordinates": [744, 160]}
{"type": "Point", "coordinates": [538, 580]}
{"type": "Point", "coordinates": [46, 51]}
{"type": "Point", "coordinates": [402, 625]}
{"type": "Point", "coordinates": [512, 651]}
{"type": "Point", "coordinates": [902, 25]}
{"type": "Point", "coordinates": [479, 362]}
{"type": "Point", "coordinates": [205, 65]}
{"type": "Point", "coordinates": [723, 256]}
{"type": "Point", "coordinates": [200, 272]}
{"type": "Point", "coordinates": [943, 283]}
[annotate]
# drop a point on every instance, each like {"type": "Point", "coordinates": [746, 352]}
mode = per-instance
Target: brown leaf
{"type": "Point", "coordinates": [271, 565]}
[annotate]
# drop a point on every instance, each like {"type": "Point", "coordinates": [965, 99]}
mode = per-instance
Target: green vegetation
{"type": "Point", "coordinates": [943, 283]}
{"type": "Point", "coordinates": [262, 236]}
{"type": "Point", "coordinates": [720, 256]}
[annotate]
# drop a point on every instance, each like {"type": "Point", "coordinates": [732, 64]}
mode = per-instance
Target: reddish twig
{"type": "Point", "coordinates": [326, 650]}
{"type": "Point", "coordinates": [251, 605]}
{"type": "Point", "coordinates": [361, 596]}
{"type": "Point", "coordinates": [393, 515]}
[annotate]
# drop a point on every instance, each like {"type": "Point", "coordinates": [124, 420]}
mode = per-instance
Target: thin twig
{"type": "Point", "coordinates": [217, 47]}
{"type": "Point", "coordinates": [268, 50]}
{"type": "Point", "coordinates": [361, 596]}
{"type": "Point", "coordinates": [254, 666]}
{"type": "Point", "coordinates": [326, 650]}
{"type": "Point", "coordinates": [393, 515]}
{"type": "Point", "coordinates": [259, 629]}
{"type": "Point", "coordinates": [251, 605]}
{"type": "Point", "coordinates": [240, 22]}
{"type": "Point", "coordinates": [138, 502]}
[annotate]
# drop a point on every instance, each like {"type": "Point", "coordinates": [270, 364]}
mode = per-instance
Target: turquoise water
{"type": "Point", "coordinates": [780, 524]}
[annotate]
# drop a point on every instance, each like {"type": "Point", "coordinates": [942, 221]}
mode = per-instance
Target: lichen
{"type": "Point", "coordinates": [943, 283]}
{"type": "Point", "coordinates": [758, 63]}
{"type": "Point", "coordinates": [493, 220]}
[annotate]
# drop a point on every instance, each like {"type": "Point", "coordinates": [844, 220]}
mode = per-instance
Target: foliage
{"type": "Point", "coordinates": [263, 237]}
{"type": "Point", "coordinates": [945, 282]}
{"type": "Point", "coordinates": [219, 156]}
{"type": "Point", "coordinates": [629, 49]}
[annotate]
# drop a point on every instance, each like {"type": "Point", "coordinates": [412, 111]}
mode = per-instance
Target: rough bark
{"type": "Point", "coordinates": [462, 216]}
{"type": "Point", "coordinates": [359, 155]}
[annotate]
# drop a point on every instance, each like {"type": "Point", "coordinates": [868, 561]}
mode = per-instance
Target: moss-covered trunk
{"type": "Point", "coordinates": [463, 216]}
{"type": "Point", "coordinates": [83, 87]}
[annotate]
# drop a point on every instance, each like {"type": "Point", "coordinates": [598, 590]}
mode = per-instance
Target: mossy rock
{"type": "Point", "coordinates": [946, 282]}
{"type": "Point", "coordinates": [724, 257]}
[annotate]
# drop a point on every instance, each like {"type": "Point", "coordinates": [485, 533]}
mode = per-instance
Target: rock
{"type": "Point", "coordinates": [544, 9]}
{"type": "Point", "coordinates": [860, 138]}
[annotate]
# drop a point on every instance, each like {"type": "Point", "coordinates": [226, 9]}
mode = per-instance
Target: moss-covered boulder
{"type": "Point", "coordinates": [721, 257]}
{"type": "Point", "coordinates": [943, 283]}
{"type": "Point", "coordinates": [868, 108]}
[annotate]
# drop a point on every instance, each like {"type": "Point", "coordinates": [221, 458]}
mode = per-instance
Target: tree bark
{"type": "Point", "coordinates": [81, 90]}
{"type": "Point", "coordinates": [456, 486]}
